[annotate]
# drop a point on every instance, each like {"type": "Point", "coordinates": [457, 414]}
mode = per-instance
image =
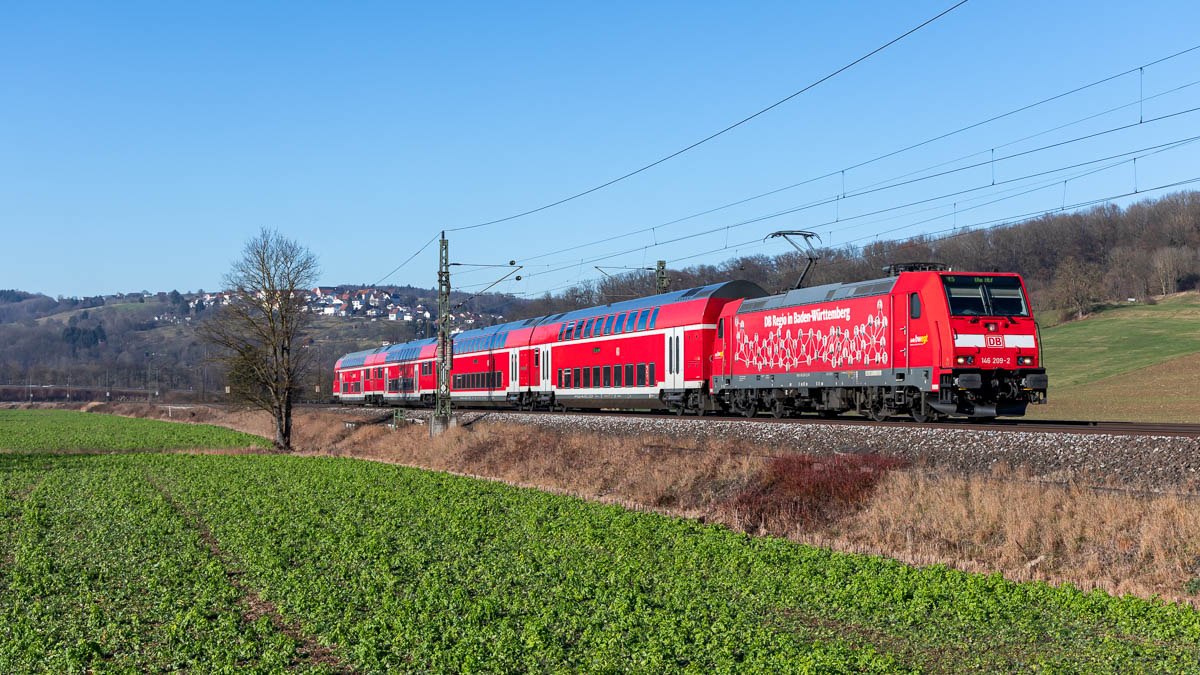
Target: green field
{"type": "Point", "coordinates": [146, 562]}
{"type": "Point", "coordinates": [1126, 363]}
{"type": "Point", "coordinates": [34, 430]}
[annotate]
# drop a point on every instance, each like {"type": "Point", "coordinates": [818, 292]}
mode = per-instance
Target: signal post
{"type": "Point", "coordinates": [443, 417]}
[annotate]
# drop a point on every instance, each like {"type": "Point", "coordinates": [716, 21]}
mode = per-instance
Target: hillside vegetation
{"type": "Point", "coordinates": [1126, 363]}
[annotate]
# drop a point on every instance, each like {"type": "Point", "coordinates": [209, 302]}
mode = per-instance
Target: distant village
{"type": "Point", "coordinates": [355, 303]}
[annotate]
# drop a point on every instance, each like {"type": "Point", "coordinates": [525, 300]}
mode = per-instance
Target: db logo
{"type": "Point", "coordinates": [995, 340]}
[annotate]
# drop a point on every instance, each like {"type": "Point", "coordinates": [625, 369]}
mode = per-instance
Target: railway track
{"type": "Point", "coordinates": [1024, 425]}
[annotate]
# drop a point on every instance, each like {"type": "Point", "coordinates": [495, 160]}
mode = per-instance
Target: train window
{"type": "Point", "coordinates": [616, 376]}
{"type": "Point", "coordinates": [536, 360]}
{"type": "Point", "coordinates": [653, 381]}
{"type": "Point", "coordinates": [971, 295]}
{"type": "Point", "coordinates": [575, 376]}
{"type": "Point", "coordinates": [914, 306]}
{"type": "Point", "coordinates": [608, 376]}
{"type": "Point", "coordinates": [566, 378]}
{"type": "Point", "coordinates": [561, 329]}
{"type": "Point", "coordinates": [596, 329]}
{"type": "Point", "coordinates": [628, 374]}
{"type": "Point", "coordinates": [641, 374]}
{"type": "Point", "coordinates": [595, 376]}
{"type": "Point", "coordinates": [587, 378]}
{"type": "Point", "coordinates": [629, 322]}
{"type": "Point", "coordinates": [641, 324]}
{"type": "Point", "coordinates": [653, 318]}
{"type": "Point", "coordinates": [587, 328]}
{"type": "Point", "coordinates": [578, 330]}
{"type": "Point", "coordinates": [560, 378]}
{"type": "Point", "coordinates": [608, 324]}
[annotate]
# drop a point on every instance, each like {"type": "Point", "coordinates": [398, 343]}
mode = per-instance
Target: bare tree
{"type": "Point", "coordinates": [1169, 263]}
{"type": "Point", "coordinates": [1076, 285]}
{"type": "Point", "coordinates": [256, 332]}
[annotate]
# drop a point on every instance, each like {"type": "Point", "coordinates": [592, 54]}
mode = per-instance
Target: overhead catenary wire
{"type": "Point", "coordinates": [879, 187]}
{"type": "Point", "coordinates": [710, 137]}
{"type": "Point", "coordinates": [814, 204]}
{"type": "Point", "coordinates": [893, 153]}
{"type": "Point", "coordinates": [981, 226]}
{"type": "Point", "coordinates": [1060, 95]}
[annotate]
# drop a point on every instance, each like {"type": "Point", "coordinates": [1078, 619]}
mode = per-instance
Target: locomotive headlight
{"type": "Point", "coordinates": [965, 360]}
{"type": "Point", "coordinates": [1024, 360]}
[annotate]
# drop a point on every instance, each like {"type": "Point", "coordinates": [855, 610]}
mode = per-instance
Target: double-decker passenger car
{"type": "Point", "coordinates": [924, 343]}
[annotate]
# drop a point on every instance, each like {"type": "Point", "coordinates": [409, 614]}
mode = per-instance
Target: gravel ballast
{"type": "Point", "coordinates": [1140, 461]}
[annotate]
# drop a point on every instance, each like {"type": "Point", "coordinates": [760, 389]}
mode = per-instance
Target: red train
{"type": "Point", "coordinates": [926, 343]}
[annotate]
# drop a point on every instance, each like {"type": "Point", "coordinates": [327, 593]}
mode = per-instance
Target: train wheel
{"type": "Point", "coordinates": [777, 410]}
{"type": "Point", "coordinates": [921, 416]}
{"type": "Point", "coordinates": [879, 414]}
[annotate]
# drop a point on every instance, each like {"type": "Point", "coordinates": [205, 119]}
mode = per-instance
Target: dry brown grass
{"type": "Point", "coordinates": [1118, 542]}
{"type": "Point", "coordinates": [1122, 543]}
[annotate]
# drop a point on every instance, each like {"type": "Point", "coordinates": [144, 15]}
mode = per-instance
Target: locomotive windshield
{"type": "Point", "coordinates": [971, 295]}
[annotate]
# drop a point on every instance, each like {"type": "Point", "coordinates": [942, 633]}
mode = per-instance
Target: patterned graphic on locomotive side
{"type": "Point", "coordinates": [833, 346]}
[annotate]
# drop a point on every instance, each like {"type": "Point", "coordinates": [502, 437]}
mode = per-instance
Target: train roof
{"type": "Point", "coordinates": [410, 350]}
{"type": "Point", "coordinates": [400, 352]}
{"type": "Point", "coordinates": [815, 294]}
{"type": "Point", "coordinates": [724, 290]}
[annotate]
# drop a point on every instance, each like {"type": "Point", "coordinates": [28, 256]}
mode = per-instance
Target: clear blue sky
{"type": "Point", "coordinates": [141, 143]}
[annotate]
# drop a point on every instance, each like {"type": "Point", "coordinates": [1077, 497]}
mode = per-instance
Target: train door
{"type": "Point", "coordinates": [522, 358]}
{"type": "Point", "coordinates": [920, 347]}
{"type": "Point", "coordinates": [535, 368]}
{"type": "Point", "coordinates": [674, 360]}
{"type": "Point", "coordinates": [720, 350]}
{"type": "Point", "coordinates": [693, 352]}
{"type": "Point", "coordinates": [898, 349]}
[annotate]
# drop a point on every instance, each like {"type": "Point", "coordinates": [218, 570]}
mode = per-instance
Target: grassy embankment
{"type": "Point", "coordinates": [1134, 363]}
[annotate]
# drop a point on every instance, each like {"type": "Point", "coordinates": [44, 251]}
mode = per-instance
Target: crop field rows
{"type": "Point", "coordinates": [259, 563]}
{"type": "Point", "coordinates": [67, 430]}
